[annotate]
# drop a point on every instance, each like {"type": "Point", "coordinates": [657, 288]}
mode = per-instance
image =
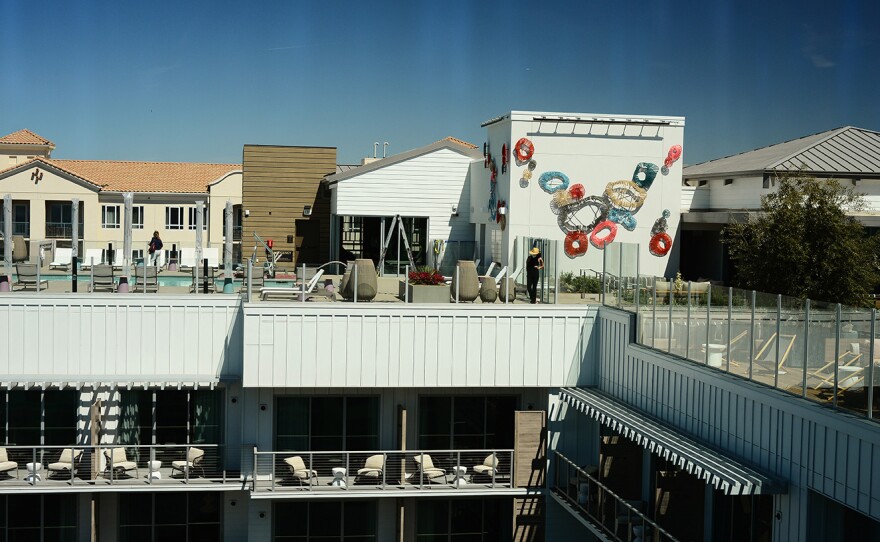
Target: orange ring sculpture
{"type": "Point", "coordinates": [602, 242]}
{"type": "Point", "coordinates": [524, 149]}
{"type": "Point", "coordinates": [576, 243]}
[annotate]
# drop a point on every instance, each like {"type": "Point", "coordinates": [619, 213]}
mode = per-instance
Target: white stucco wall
{"type": "Point", "coordinates": [593, 154]}
{"type": "Point", "coordinates": [428, 185]}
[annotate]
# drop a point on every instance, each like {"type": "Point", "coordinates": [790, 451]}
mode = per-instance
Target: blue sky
{"type": "Point", "coordinates": [194, 81]}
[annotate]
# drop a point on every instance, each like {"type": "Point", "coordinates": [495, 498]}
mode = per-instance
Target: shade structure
{"type": "Point", "coordinates": [722, 472]}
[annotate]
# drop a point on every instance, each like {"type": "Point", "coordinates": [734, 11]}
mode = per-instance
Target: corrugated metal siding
{"type": "Point", "coordinates": [426, 185]}
{"type": "Point", "coordinates": [296, 345]}
{"type": "Point", "coordinates": [809, 446]}
{"type": "Point", "coordinates": [95, 337]}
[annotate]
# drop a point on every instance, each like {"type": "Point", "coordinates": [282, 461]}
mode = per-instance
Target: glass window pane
{"type": "Point", "coordinates": [327, 423]}
{"type": "Point", "coordinates": [169, 532]}
{"type": "Point", "coordinates": [292, 423]}
{"type": "Point", "coordinates": [59, 510]}
{"type": "Point", "coordinates": [362, 423]}
{"type": "Point", "coordinates": [435, 422]}
{"type": "Point", "coordinates": [500, 414]}
{"type": "Point", "coordinates": [136, 417]}
{"type": "Point", "coordinates": [135, 534]}
{"type": "Point", "coordinates": [61, 417]}
{"type": "Point", "coordinates": [324, 518]}
{"type": "Point", "coordinates": [360, 518]}
{"type": "Point", "coordinates": [204, 533]}
{"type": "Point", "coordinates": [24, 417]}
{"type": "Point", "coordinates": [289, 519]}
{"type": "Point", "coordinates": [432, 517]}
{"type": "Point", "coordinates": [468, 417]}
{"type": "Point", "coordinates": [24, 511]}
{"type": "Point", "coordinates": [59, 534]}
{"type": "Point", "coordinates": [205, 507]}
{"type": "Point", "coordinates": [170, 509]}
{"type": "Point", "coordinates": [206, 416]}
{"type": "Point", "coordinates": [135, 509]}
{"type": "Point", "coordinates": [465, 517]}
{"type": "Point", "coordinates": [171, 417]}
{"type": "Point", "coordinates": [23, 535]}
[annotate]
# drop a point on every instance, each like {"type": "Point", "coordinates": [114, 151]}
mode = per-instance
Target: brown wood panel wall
{"type": "Point", "coordinates": [277, 182]}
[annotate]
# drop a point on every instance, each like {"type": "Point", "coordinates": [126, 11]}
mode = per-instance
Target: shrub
{"type": "Point", "coordinates": [425, 276]}
{"type": "Point", "coordinates": [581, 284]}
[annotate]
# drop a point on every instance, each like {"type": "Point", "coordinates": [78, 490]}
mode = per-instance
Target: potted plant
{"type": "Point", "coordinates": [427, 285]}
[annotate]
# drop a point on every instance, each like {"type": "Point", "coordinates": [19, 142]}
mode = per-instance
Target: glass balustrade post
{"type": "Point", "coordinates": [653, 311]}
{"type": "Point", "coordinates": [870, 408]}
{"type": "Point", "coordinates": [752, 335]}
{"type": "Point", "coordinates": [729, 324]}
{"type": "Point", "coordinates": [620, 279]}
{"type": "Point", "coordinates": [778, 339]}
{"type": "Point", "coordinates": [806, 347]}
{"type": "Point", "coordinates": [687, 327]}
{"type": "Point", "coordinates": [669, 334]}
{"type": "Point", "coordinates": [708, 320]}
{"type": "Point", "coordinates": [836, 353]}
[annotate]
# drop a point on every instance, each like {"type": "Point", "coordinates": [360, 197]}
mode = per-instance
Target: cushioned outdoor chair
{"type": "Point", "coordinates": [102, 279]}
{"type": "Point", "coordinates": [372, 471]}
{"type": "Point", "coordinates": [66, 464]}
{"type": "Point", "coordinates": [6, 465]}
{"type": "Point", "coordinates": [118, 463]}
{"type": "Point", "coordinates": [427, 470]}
{"type": "Point", "coordinates": [194, 458]}
{"type": "Point", "coordinates": [26, 277]}
{"type": "Point", "coordinates": [63, 258]}
{"type": "Point", "coordinates": [489, 467]}
{"type": "Point", "coordinates": [299, 472]}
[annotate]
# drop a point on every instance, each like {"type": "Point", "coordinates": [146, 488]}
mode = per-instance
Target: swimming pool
{"type": "Point", "coordinates": [178, 281]}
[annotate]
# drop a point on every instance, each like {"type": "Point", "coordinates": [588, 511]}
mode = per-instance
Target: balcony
{"type": "Point", "coordinates": [383, 473]}
{"type": "Point", "coordinates": [18, 228]}
{"type": "Point", "coordinates": [114, 467]}
{"type": "Point", "coordinates": [60, 230]}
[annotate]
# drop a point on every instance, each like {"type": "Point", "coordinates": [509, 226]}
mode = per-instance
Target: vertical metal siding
{"type": "Point", "coordinates": [809, 446]}
{"type": "Point", "coordinates": [399, 346]}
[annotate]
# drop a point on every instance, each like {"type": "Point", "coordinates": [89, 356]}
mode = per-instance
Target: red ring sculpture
{"type": "Point", "coordinates": [578, 238]}
{"type": "Point", "coordinates": [524, 150]}
{"type": "Point", "coordinates": [660, 244]}
{"type": "Point", "coordinates": [602, 242]}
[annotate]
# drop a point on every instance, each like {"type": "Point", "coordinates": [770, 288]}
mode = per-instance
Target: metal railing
{"type": "Point", "coordinates": [370, 470]}
{"type": "Point", "coordinates": [613, 516]}
{"type": "Point", "coordinates": [60, 230]}
{"type": "Point", "coordinates": [114, 464]}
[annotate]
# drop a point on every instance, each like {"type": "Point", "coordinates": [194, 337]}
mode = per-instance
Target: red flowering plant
{"type": "Point", "coordinates": [425, 275]}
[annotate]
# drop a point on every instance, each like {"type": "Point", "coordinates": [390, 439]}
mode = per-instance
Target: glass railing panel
{"type": "Point", "coordinates": [647, 308]}
{"type": "Point", "coordinates": [766, 346]}
{"type": "Point", "coordinates": [792, 333]}
{"type": "Point", "coordinates": [853, 359]}
{"type": "Point", "coordinates": [718, 330]}
{"type": "Point", "coordinates": [697, 296]}
{"type": "Point", "coordinates": [821, 356]}
{"type": "Point", "coordinates": [741, 333]}
{"type": "Point", "coordinates": [612, 269]}
{"type": "Point", "coordinates": [679, 316]}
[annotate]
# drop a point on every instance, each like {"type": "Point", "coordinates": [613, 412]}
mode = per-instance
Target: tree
{"type": "Point", "coordinates": [805, 243]}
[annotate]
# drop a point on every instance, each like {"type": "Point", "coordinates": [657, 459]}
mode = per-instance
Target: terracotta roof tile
{"type": "Point", "coordinates": [167, 177]}
{"type": "Point", "coordinates": [25, 137]}
{"type": "Point", "coordinates": [460, 142]}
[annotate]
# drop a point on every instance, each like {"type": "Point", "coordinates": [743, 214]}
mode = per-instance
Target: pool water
{"type": "Point", "coordinates": [179, 281]}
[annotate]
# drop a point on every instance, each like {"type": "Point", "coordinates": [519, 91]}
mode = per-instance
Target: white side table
{"type": "Point", "coordinates": [716, 353]}
{"type": "Point", "coordinates": [33, 470]}
{"type": "Point", "coordinates": [459, 472]}
{"type": "Point", "coordinates": [154, 470]}
{"type": "Point", "coordinates": [338, 477]}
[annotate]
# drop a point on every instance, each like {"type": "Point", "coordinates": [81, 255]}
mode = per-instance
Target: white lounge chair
{"type": "Point", "coordinates": [291, 292]}
{"type": "Point", "coordinates": [94, 256]}
{"type": "Point", "coordinates": [187, 258]}
{"type": "Point", "coordinates": [118, 260]}
{"type": "Point", "coordinates": [213, 257]}
{"type": "Point", "coordinates": [6, 465]}
{"type": "Point", "coordinates": [427, 469]}
{"type": "Point", "coordinates": [118, 463]}
{"type": "Point", "coordinates": [63, 258]}
{"type": "Point", "coordinates": [66, 464]}
{"type": "Point", "coordinates": [372, 471]}
{"type": "Point", "coordinates": [299, 471]}
{"type": "Point", "coordinates": [193, 460]}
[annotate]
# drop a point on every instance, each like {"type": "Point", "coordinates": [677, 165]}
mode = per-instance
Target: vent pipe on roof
{"type": "Point", "coordinates": [375, 149]}
{"type": "Point", "coordinates": [384, 149]}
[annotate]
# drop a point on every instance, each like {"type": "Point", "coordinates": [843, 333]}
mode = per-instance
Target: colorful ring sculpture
{"type": "Point", "coordinates": [524, 149]}
{"type": "Point", "coordinates": [625, 195]}
{"type": "Point", "coordinates": [546, 177]}
{"type": "Point", "coordinates": [660, 244]}
{"type": "Point", "coordinates": [603, 241]}
{"type": "Point", "coordinates": [672, 156]}
{"type": "Point", "coordinates": [577, 191]}
{"type": "Point", "coordinates": [576, 244]}
{"type": "Point", "coordinates": [566, 217]}
{"type": "Point", "coordinates": [650, 170]}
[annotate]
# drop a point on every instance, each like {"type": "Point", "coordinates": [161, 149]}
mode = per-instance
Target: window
{"type": "Point", "coordinates": [110, 216]}
{"type": "Point", "coordinates": [24, 412]}
{"type": "Point", "coordinates": [466, 422]}
{"type": "Point", "coordinates": [327, 423]}
{"type": "Point", "coordinates": [236, 223]}
{"type": "Point", "coordinates": [59, 219]}
{"type": "Point", "coordinates": [728, 182]}
{"type": "Point", "coordinates": [174, 218]}
{"type": "Point", "coordinates": [181, 416]}
{"type": "Point", "coordinates": [137, 217]}
{"type": "Point", "coordinates": [38, 517]}
{"type": "Point", "coordinates": [702, 183]}
{"type": "Point", "coordinates": [485, 520]}
{"type": "Point", "coordinates": [171, 516]}
{"type": "Point", "coordinates": [192, 218]}
{"type": "Point", "coordinates": [353, 520]}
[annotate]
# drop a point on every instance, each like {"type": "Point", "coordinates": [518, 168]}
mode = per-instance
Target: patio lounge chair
{"type": "Point", "coordinates": [372, 470]}
{"type": "Point", "coordinates": [118, 260]}
{"type": "Point", "coordinates": [94, 256]}
{"type": "Point", "coordinates": [148, 275]}
{"type": "Point", "coordinates": [118, 463]}
{"type": "Point", "coordinates": [213, 256]}
{"type": "Point", "coordinates": [299, 471]}
{"type": "Point", "coordinates": [66, 464]}
{"type": "Point", "coordinates": [27, 277]}
{"type": "Point", "coordinates": [291, 292]}
{"type": "Point", "coordinates": [187, 258]}
{"type": "Point", "coordinates": [6, 465]}
{"type": "Point", "coordinates": [489, 467]}
{"type": "Point", "coordinates": [427, 469]}
{"type": "Point", "coordinates": [102, 279]}
{"type": "Point", "coordinates": [63, 257]}
{"type": "Point", "coordinates": [193, 460]}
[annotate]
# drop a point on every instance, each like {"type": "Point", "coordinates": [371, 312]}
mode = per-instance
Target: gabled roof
{"type": "Point", "coordinates": [451, 143]}
{"type": "Point", "coordinates": [842, 151]}
{"type": "Point", "coordinates": [123, 176]}
{"type": "Point", "coordinates": [25, 137]}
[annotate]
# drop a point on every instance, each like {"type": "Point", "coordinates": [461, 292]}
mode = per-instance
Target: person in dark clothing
{"type": "Point", "coordinates": [534, 263]}
{"type": "Point", "coordinates": [155, 249]}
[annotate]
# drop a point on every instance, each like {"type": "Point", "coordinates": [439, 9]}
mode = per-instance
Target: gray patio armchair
{"type": "Point", "coordinates": [6, 465]}
{"type": "Point", "coordinates": [66, 464]}
{"type": "Point", "coordinates": [299, 471]}
{"type": "Point", "coordinates": [102, 278]}
{"type": "Point", "coordinates": [26, 277]}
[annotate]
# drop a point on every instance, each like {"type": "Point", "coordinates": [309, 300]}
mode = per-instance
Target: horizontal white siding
{"type": "Point", "coordinates": [694, 199]}
{"type": "Point", "coordinates": [114, 337]}
{"type": "Point", "coordinates": [374, 346]}
{"type": "Point", "coordinates": [802, 443]}
{"type": "Point", "coordinates": [424, 186]}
